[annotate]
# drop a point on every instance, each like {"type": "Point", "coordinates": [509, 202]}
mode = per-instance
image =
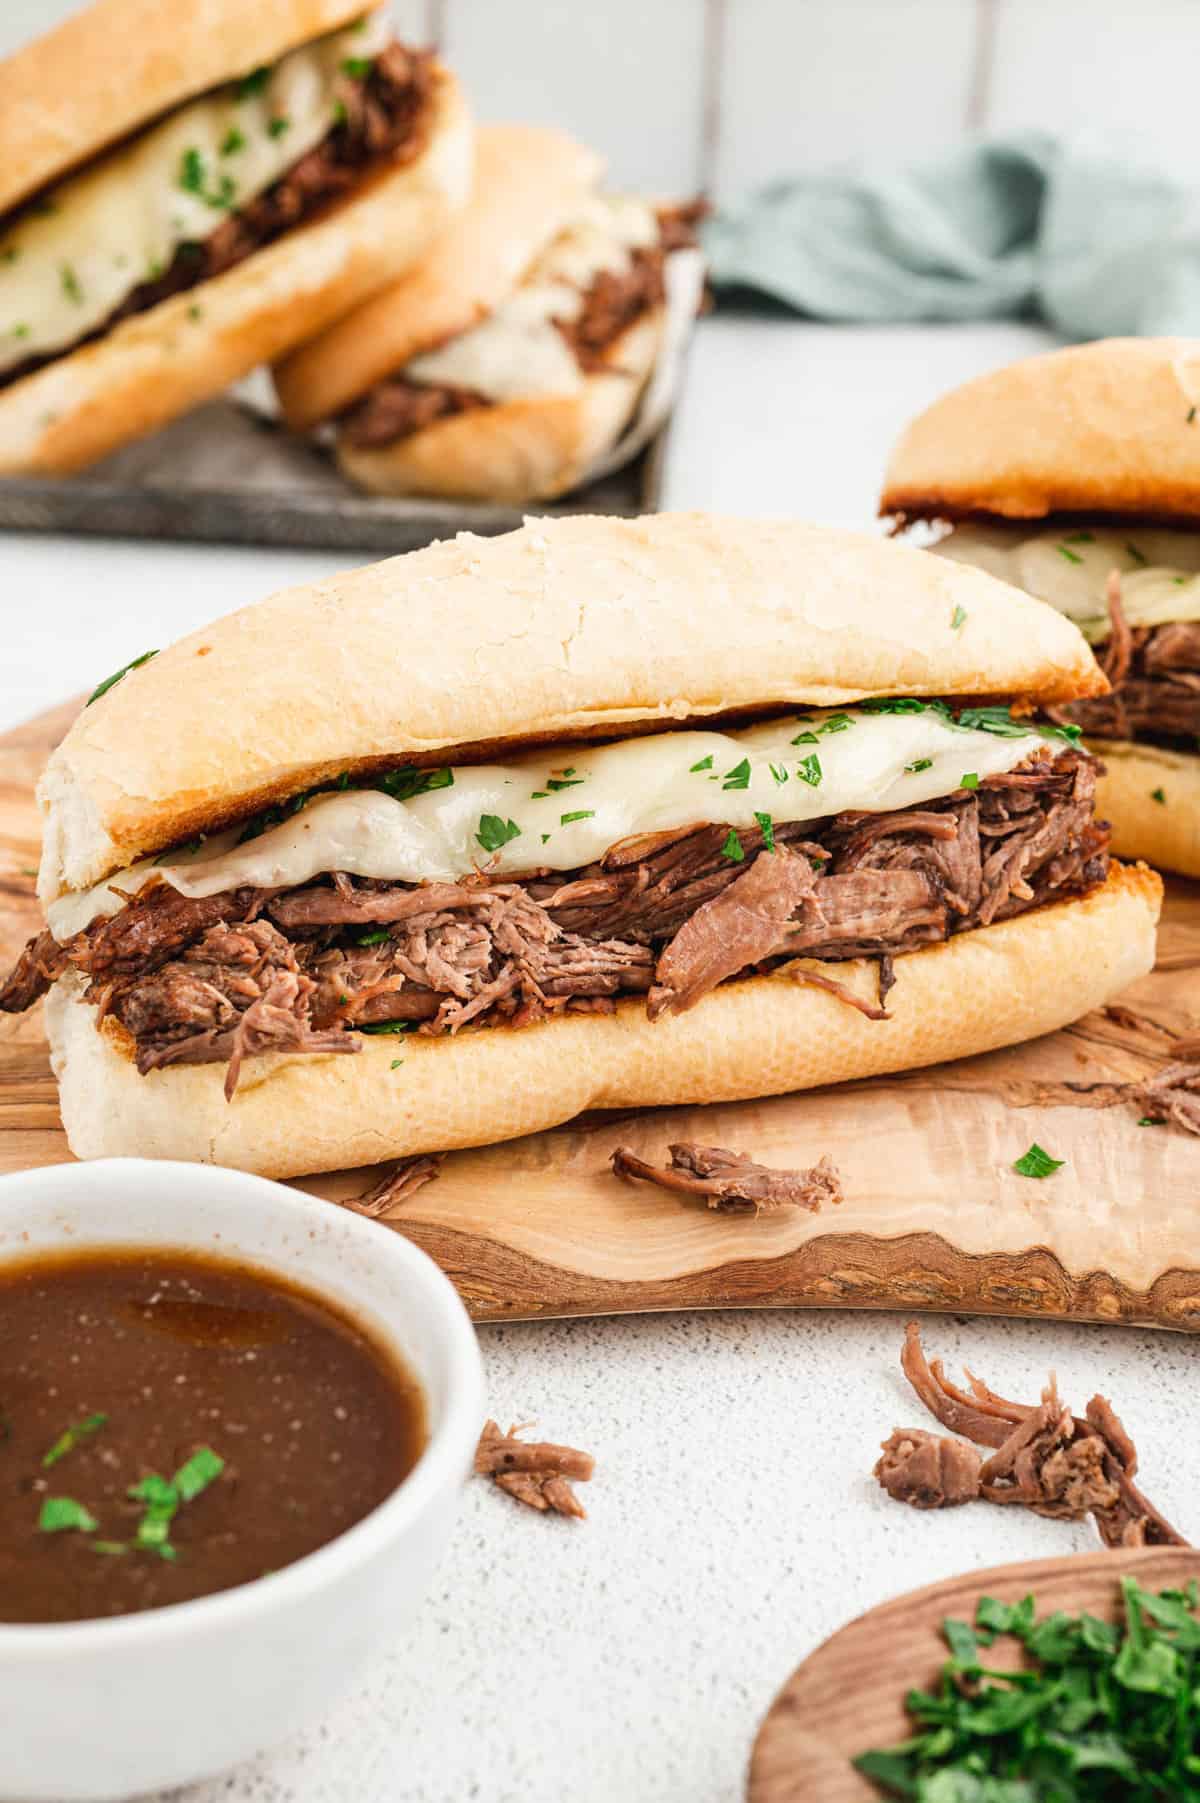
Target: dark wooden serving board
{"type": "Point", "coordinates": [848, 1696]}
{"type": "Point", "coordinates": [934, 1216]}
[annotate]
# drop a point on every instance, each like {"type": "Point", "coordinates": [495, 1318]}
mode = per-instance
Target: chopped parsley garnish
{"type": "Point", "coordinates": [21, 331]}
{"type": "Point", "coordinates": [779, 772]}
{"type": "Point", "coordinates": [970, 780]}
{"type": "Point", "coordinates": [809, 771]}
{"type": "Point", "coordinates": [233, 141]}
{"type": "Point", "coordinates": [1159, 795]}
{"type": "Point", "coordinates": [1191, 416]}
{"type": "Point", "coordinates": [767, 828]}
{"type": "Point", "coordinates": [61, 1514]}
{"type": "Point", "coordinates": [195, 312]}
{"type": "Point", "coordinates": [408, 781]}
{"type": "Point", "coordinates": [252, 84]}
{"type": "Point", "coordinates": [917, 765]}
{"type": "Point", "coordinates": [901, 704]}
{"type": "Point", "coordinates": [704, 764]}
{"type": "Point", "coordinates": [10, 254]}
{"type": "Point", "coordinates": [738, 777]}
{"type": "Point", "coordinates": [566, 781]}
{"type": "Point", "coordinates": [732, 848]}
{"type": "Point", "coordinates": [1091, 1710]}
{"type": "Point", "coordinates": [1137, 556]}
{"type": "Point", "coordinates": [111, 681]}
{"type": "Point", "coordinates": [197, 1473]}
{"type": "Point", "coordinates": [1148, 1120]}
{"type": "Point", "coordinates": [341, 112]}
{"type": "Point", "coordinates": [70, 1438]}
{"type": "Point", "coordinates": [1071, 556]}
{"type": "Point", "coordinates": [162, 1500]}
{"type": "Point", "coordinates": [1080, 538]}
{"type": "Point", "coordinates": [388, 1026]}
{"type": "Point", "coordinates": [357, 67]}
{"type": "Point", "coordinates": [580, 814]}
{"type": "Point", "coordinates": [278, 125]}
{"type": "Point", "coordinates": [1037, 1162]}
{"type": "Point", "coordinates": [806, 738]}
{"type": "Point", "coordinates": [1179, 580]}
{"type": "Point", "coordinates": [71, 285]}
{"type": "Point", "coordinates": [395, 1064]}
{"type": "Point", "coordinates": [494, 832]}
{"type": "Point", "coordinates": [958, 619]}
{"type": "Point", "coordinates": [835, 723]}
{"type": "Point", "coordinates": [377, 936]}
{"type": "Point", "coordinates": [193, 179]}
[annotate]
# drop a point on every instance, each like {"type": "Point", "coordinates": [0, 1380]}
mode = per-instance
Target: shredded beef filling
{"type": "Point", "coordinates": [381, 115]}
{"type": "Point", "coordinates": [668, 915]}
{"type": "Point", "coordinates": [1155, 677]}
{"type": "Point", "coordinates": [397, 407]}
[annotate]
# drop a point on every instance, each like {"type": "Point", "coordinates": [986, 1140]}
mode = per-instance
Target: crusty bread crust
{"type": "Point", "coordinates": [1106, 429]}
{"type": "Point", "coordinates": [993, 987]}
{"type": "Point", "coordinates": [155, 365]}
{"type": "Point", "coordinates": [572, 626]}
{"type": "Point", "coordinates": [516, 452]}
{"type": "Point", "coordinates": [1166, 832]}
{"type": "Point", "coordinates": [118, 64]}
{"type": "Point", "coordinates": [529, 179]}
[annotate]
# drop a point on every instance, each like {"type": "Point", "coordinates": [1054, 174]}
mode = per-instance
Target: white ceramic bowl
{"type": "Point", "coordinates": [105, 1709]}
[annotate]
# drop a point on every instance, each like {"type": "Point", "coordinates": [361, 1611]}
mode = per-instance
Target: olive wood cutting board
{"type": "Point", "coordinates": [848, 1696]}
{"type": "Point", "coordinates": [933, 1217]}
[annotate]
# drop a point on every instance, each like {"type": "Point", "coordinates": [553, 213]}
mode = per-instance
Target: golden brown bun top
{"type": "Point", "coordinates": [118, 64]}
{"type": "Point", "coordinates": [1106, 428]}
{"type": "Point", "coordinates": [529, 179]}
{"type": "Point", "coordinates": [567, 627]}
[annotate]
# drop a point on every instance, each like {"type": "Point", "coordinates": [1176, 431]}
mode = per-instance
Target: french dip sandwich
{"type": "Point", "coordinates": [1076, 476]}
{"type": "Point", "coordinates": [186, 191]}
{"type": "Point", "coordinates": [601, 813]}
{"type": "Point", "coordinates": [513, 356]}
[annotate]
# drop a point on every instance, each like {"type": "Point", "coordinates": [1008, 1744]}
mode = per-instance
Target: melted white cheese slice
{"type": "Point", "coordinates": [519, 350]}
{"type": "Point", "coordinates": [67, 263]}
{"type": "Point", "coordinates": [1160, 569]}
{"type": "Point", "coordinates": [606, 793]}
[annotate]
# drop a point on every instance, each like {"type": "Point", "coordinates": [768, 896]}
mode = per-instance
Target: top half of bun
{"type": "Point", "coordinates": [1111, 428]}
{"type": "Point", "coordinates": [119, 64]}
{"type": "Point", "coordinates": [579, 626]}
{"type": "Point", "coordinates": [529, 179]}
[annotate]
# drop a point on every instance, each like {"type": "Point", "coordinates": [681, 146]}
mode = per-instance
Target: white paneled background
{"type": "Point", "coordinates": [730, 94]}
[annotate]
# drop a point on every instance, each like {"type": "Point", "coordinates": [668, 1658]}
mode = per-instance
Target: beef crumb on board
{"type": "Point", "coordinates": [538, 1473]}
{"type": "Point", "coordinates": [401, 1181]}
{"type": "Point", "coordinates": [1043, 1457]}
{"type": "Point", "coordinates": [731, 1182]}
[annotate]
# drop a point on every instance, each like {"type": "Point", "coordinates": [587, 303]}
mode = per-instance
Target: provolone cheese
{"type": "Point", "coordinates": [69, 261]}
{"type": "Point", "coordinates": [519, 350]}
{"type": "Point", "coordinates": [1160, 569]}
{"type": "Point", "coordinates": [563, 808]}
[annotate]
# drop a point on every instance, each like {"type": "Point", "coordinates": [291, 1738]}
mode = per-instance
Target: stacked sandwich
{"type": "Point", "coordinates": [507, 363]}
{"type": "Point", "coordinates": [598, 814]}
{"type": "Point", "coordinates": [188, 191]}
{"type": "Point", "coordinates": [1076, 475]}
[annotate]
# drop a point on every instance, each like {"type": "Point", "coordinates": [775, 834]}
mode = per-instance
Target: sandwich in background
{"type": "Point", "coordinates": [188, 191]}
{"type": "Point", "coordinates": [454, 847]}
{"type": "Point", "coordinates": [511, 359]}
{"type": "Point", "coordinates": [1076, 476]}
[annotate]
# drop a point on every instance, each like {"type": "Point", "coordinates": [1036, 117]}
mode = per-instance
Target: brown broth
{"type": "Point", "coordinates": [317, 1425]}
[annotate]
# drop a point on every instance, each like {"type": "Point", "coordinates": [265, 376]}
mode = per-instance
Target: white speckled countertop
{"type": "Point", "coordinates": [733, 1521]}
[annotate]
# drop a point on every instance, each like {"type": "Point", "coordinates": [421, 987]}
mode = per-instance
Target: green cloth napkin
{"type": "Point", "coordinates": [1085, 235]}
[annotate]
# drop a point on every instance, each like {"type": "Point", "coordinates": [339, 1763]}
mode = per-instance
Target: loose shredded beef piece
{"type": "Point", "coordinates": [673, 914]}
{"type": "Point", "coordinates": [731, 1182]}
{"type": "Point", "coordinates": [537, 1473]}
{"type": "Point", "coordinates": [928, 1471]}
{"type": "Point", "coordinates": [1155, 677]}
{"type": "Point", "coordinates": [1043, 1458]}
{"type": "Point", "coordinates": [381, 117]}
{"type": "Point", "coordinates": [400, 1183]}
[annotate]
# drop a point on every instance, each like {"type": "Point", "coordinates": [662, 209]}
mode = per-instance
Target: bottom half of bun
{"type": "Point", "coordinates": [992, 987]}
{"type": "Point", "coordinates": [518, 451]}
{"type": "Point", "coordinates": [1152, 798]}
{"type": "Point", "coordinates": [156, 365]}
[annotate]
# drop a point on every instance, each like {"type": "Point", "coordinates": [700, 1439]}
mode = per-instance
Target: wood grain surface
{"type": "Point", "coordinates": [848, 1696]}
{"type": "Point", "coordinates": [934, 1216]}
